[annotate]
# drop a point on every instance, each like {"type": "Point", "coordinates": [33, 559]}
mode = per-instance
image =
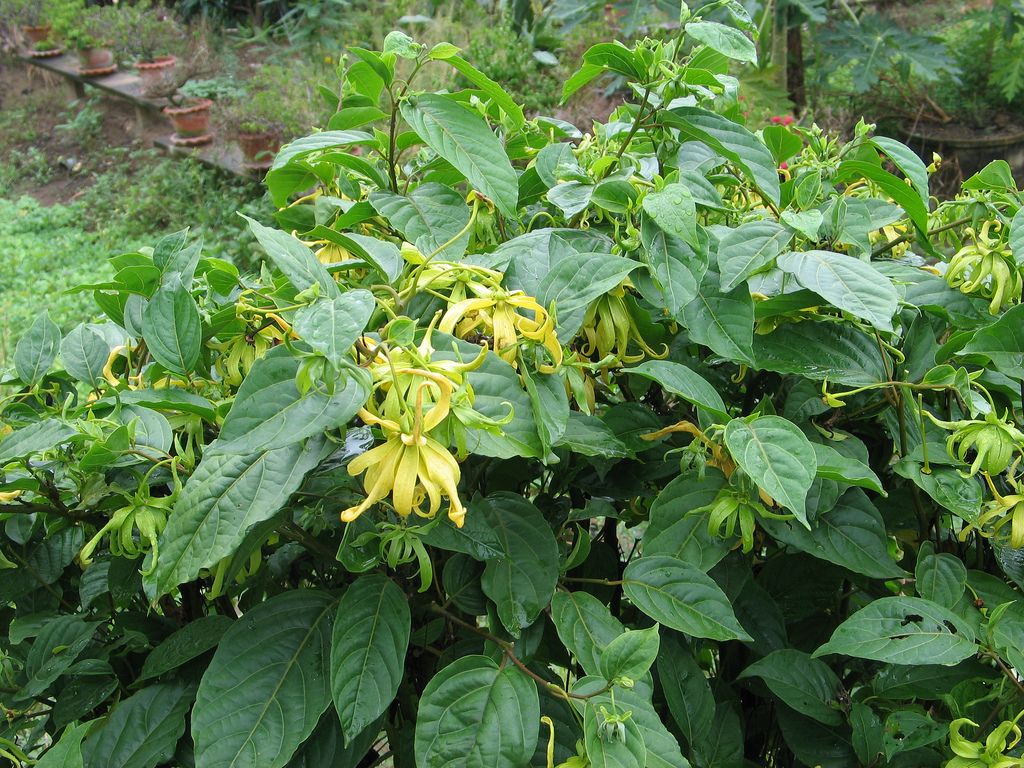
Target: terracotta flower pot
{"type": "Point", "coordinates": [95, 58]}
{"type": "Point", "coordinates": [155, 73]}
{"type": "Point", "coordinates": [258, 149]}
{"type": "Point", "coordinates": [190, 120]}
{"type": "Point", "coordinates": [37, 34]}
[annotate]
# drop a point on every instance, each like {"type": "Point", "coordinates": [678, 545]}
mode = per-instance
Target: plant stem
{"type": "Point", "coordinates": [508, 649]}
{"type": "Point", "coordinates": [910, 235]}
{"type": "Point", "coordinates": [636, 124]}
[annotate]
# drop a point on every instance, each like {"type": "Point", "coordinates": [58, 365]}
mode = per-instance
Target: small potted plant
{"type": "Point", "coordinates": [270, 110]}
{"type": "Point", "coordinates": [89, 34]}
{"type": "Point", "coordinates": [148, 37]}
{"type": "Point", "coordinates": [190, 99]}
{"type": "Point", "coordinates": [45, 49]}
{"type": "Point", "coordinates": [36, 18]}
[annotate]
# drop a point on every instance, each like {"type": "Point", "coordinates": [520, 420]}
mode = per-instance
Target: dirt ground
{"type": "Point", "coordinates": [34, 102]}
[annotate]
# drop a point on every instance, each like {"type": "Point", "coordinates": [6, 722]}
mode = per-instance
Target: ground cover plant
{"type": "Point", "coordinates": [670, 443]}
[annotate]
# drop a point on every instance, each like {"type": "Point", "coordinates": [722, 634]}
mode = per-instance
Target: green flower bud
{"type": "Point", "coordinates": [994, 440]}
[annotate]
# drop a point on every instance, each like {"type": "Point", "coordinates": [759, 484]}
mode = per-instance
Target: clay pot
{"type": "Point", "coordinates": [155, 73]}
{"type": "Point", "coordinates": [258, 149]}
{"type": "Point", "coordinates": [971, 149]}
{"type": "Point", "coordinates": [37, 34]}
{"type": "Point", "coordinates": [191, 119]}
{"type": "Point", "coordinates": [95, 58]}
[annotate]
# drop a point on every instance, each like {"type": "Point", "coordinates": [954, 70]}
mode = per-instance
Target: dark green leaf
{"type": "Point", "coordinates": [847, 283]}
{"type": "Point", "coordinates": [269, 412]}
{"type": "Point", "coordinates": [187, 643]}
{"type": "Point", "coordinates": [267, 685]}
{"type": "Point", "coordinates": [475, 714]}
{"type": "Point", "coordinates": [462, 138]}
{"type": "Point", "coordinates": [777, 456]}
{"type": "Point", "coordinates": [804, 683]}
{"type": "Point", "coordinates": [682, 597]}
{"type": "Point", "coordinates": [142, 730]}
{"type": "Point", "coordinates": [172, 329]}
{"type": "Point", "coordinates": [224, 497]}
{"type": "Point", "coordinates": [37, 349]}
{"type": "Point", "coordinates": [903, 630]}
{"type": "Point", "coordinates": [522, 581]}
{"type": "Point", "coordinates": [332, 326]}
{"type": "Point", "coordinates": [371, 636]}
{"type": "Point", "coordinates": [732, 141]}
{"type": "Point", "coordinates": [585, 626]}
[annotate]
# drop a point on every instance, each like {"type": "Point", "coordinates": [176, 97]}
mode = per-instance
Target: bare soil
{"type": "Point", "coordinates": [34, 102]}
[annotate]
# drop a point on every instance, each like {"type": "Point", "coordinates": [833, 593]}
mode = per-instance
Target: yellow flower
{"type": "Point", "coordinates": [496, 316]}
{"type": "Point", "coordinates": [410, 466]}
{"type": "Point", "coordinates": [411, 470]}
{"type": "Point", "coordinates": [608, 328]}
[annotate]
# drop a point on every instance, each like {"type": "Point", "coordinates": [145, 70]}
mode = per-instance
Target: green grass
{"type": "Point", "coordinates": [50, 249]}
{"type": "Point", "coordinates": [46, 251]}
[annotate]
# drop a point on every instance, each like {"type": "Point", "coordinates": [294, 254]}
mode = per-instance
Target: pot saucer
{"type": "Point", "coordinates": [259, 165]}
{"type": "Point", "coordinates": [98, 71]}
{"type": "Point", "coordinates": [191, 141]}
{"type": "Point", "coordinates": [46, 54]}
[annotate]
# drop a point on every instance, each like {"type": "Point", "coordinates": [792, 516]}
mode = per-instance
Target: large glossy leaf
{"type": "Point", "coordinates": [172, 329]}
{"type": "Point", "coordinates": [36, 350]}
{"type": "Point", "coordinates": [1002, 342]}
{"type": "Point", "coordinates": [54, 650]}
{"type": "Point", "coordinates": [431, 217]}
{"type": "Point", "coordinates": [371, 636]}
{"type": "Point", "coordinates": [833, 465]}
{"type": "Point", "coordinates": [585, 626]}
{"type": "Point", "coordinates": [67, 752]}
{"type": "Point", "coordinates": [269, 412]}
{"type": "Point", "coordinates": [331, 326]}
{"type": "Point", "coordinates": [673, 209]}
{"type": "Point", "coordinates": [806, 684]}
{"type": "Point", "coordinates": [726, 40]}
{"type": "Point", "coordinates": [661, 750]}
{"type": "Point", "coordinates": [722, 321]}
{"type": "Point", "coordinates": [908, 198]}
{"type": "Point", "coordinates": [319, 142]}
{"type": "Point", "coordinates": [686, 688]}
{"type": "Point", "coordinates": [631, 654]}
{"type": "Point", "coordinates": [939, 576]}
{"type": "Point", "coordinates": [142, 730]}
{"type": "Point", "coordinates": [676, 269]}
{"type": "Point", "coordinates": [267, 685]}
{"type": "Point", "coordinates": [325, 747]}
{"type": "Point", "coordinates": [296, 261]}
{"type": "Point", "coordinates": [682, 597]}
{"type": "Point", "coordinates": [606, 752]}
{"type": "Point", "coordinates": [852, 534]}
{"type": "Point", "coordinates": [777, 456]}
{"type": "Point", "coordinates": [904, 158]}
{"type": "Point", "coordinates": [492, 89]}
{"type": "Point", "coordinates": [903, 630]}
{"type": "Point", "coordinates": [84, 353]}
{"type": "Point", "coordinates": [189, 642]}
{"type": "Point", "coordinates": [845, 282]}
{"type": "Point", "coordinates": [462, 138]}
{"type": "Point", "coordinates": [35, 438]}
{"type": "Point", "coordinates": [522, 581]}
{"type": "Point", "coordinates": [475, 714]}
{"type": "Point", "coordinates": [685, 383]}
{"type": "Point", "coordinates": [224, 497]}
{"type": "Point", "coordinates": [817, 351]}
{"type": "Point", "coordinates": [732, 141]}
{"type": "Point", "coordinates": [575, 281]}
{"type": "Point", "coordinates": [747, 249]}
{"type": "Point", "coordinates": [672, 531]}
